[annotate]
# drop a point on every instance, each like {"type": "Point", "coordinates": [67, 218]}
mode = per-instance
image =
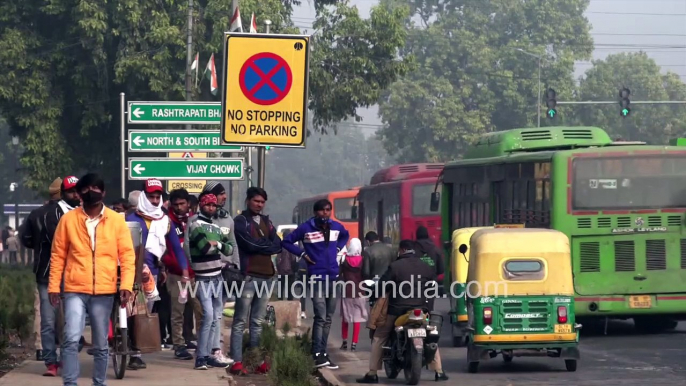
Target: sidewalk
{"type": "Point", "coordinates": [163, 370]}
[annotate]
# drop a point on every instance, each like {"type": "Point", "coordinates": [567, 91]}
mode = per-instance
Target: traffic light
{"type": "Point", "coordinates": [551, 103]}
{"type": "Point", "coordinates": [624, 102]}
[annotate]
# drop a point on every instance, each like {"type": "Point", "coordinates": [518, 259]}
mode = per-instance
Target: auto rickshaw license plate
{"type": "Point", "coordinates": [640, 301]}
{"type": "Point", "coordinates": [563, 328]}
{"type": "Point", "coordinates": [416, 333]}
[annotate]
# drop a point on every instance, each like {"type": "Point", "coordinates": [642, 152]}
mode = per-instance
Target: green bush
{"type": "Point", "coordinates": [17, 287]}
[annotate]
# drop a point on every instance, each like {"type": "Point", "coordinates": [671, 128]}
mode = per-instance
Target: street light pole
{"type": "Point", "coordinates": [539, 80]}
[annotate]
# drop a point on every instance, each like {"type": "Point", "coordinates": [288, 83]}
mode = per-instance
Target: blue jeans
{"type": "Point", "coordinates": [254, 299]}
{"type": "Point", "coordinates": [210, 294]}
{"type": "Point", "coordinates": [99, 308]}
{"type": "Point", "coordinates": [48, 318]}
{"type": "Point", "coordinates": [324, 304]}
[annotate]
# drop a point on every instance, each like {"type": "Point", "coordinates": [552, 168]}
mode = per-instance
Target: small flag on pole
{"type": "Point", "coordinates": [236, 24]}
{"type": "Point", "coordinates": [211, 73]}
{"type": "Point", "coordinates": [253, 24]}
{"type": "Point", "coordinates": [194, 67]}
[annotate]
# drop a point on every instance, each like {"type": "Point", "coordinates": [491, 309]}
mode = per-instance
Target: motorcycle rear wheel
{"type": "Point", "coordinates": [413, 366]}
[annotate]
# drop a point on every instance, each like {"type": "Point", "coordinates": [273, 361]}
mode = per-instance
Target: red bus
{"type": "Point", "coordinates": [398, 200]}
{"type": "Point", "coordinates": [342, 210]}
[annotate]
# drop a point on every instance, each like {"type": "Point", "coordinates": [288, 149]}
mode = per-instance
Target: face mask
{"type": "Point", "coordinates": [91, 198]}
{"type": "Point", "coordinates": [321, 220]}
{"type": "Point", "coordinates": [73, 202]}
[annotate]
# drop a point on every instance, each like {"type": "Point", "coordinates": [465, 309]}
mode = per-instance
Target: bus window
{"type": "Point", "coordinates": [343, 209]}
{"type": "Point", "coordinates": [421, 200]}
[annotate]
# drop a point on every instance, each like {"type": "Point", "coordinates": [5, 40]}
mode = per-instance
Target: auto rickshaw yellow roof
{"type": "Point", "coordinates": [494, 252]}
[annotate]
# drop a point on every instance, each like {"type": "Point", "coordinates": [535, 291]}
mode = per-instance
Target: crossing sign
{"type": "Point", "coordinates": [264, 98]}
{"type": "Point", "coordinates": [192, 186]}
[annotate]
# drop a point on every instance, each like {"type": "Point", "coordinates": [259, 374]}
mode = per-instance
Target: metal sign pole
{"type": "Point", "coordinates": [261, 150]}
{"type": "Point", "coordinates": [122, 126]}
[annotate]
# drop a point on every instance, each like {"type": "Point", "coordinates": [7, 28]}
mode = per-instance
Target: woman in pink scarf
{"type": "Point", "coordinates": [353, 305]}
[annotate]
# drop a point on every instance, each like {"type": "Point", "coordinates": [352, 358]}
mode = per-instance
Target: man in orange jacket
{"type": "Point", "coordinates": [91, 243]}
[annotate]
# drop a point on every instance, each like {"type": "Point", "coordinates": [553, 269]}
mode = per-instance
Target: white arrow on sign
{"type": "Point", "coordinates": [137, 112]}
{"type": "Point", "coordinates": [138, 169]}
{"type": "Point", "coordinates": [138, 141]}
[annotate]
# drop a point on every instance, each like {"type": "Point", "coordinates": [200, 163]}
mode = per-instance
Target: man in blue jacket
{"type": "Point", "coordinates": [322, 239]}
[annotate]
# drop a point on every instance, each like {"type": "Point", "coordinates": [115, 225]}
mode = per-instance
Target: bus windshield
{"type": "Point", "coordinates": [421, 200]}
{"type": "Point", "coordinates": [343, 209]}
{"type": "Point", "coordinates": [629, 182]}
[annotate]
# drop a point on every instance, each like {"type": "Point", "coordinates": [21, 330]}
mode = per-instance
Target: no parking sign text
{"type": "Point", "coordinates": [264, 98]}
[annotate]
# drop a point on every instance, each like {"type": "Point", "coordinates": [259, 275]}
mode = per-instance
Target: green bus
{"type": "Point", "coordinates": [622, 205]}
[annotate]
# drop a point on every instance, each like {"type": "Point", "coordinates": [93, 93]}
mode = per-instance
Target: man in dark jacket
{"type": "Point", "coordinates": [427, 248]}
{"type": "Point", "coordinates": [257, 242]}
{"type": "Point", "coordinates": [376, 257]}
{"type": "Point", "coordinates": [38, 234]}
{"type": "Point", "coordinates": [322, 239]}
{"type": "Point", "coordinates": [408, 268]}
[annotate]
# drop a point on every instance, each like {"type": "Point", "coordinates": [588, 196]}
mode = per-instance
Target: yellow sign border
{"type": "Point", "coordinates": [225, 66]}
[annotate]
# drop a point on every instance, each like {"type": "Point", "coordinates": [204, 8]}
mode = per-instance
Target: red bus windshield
{"type": "Point", "coordinates": [629, 182]}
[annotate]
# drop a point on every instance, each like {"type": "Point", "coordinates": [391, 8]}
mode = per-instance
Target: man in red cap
{"type": "Point", "coordinates": [38, 234]}
{"type": "Point", "coordinates": [157, 236]}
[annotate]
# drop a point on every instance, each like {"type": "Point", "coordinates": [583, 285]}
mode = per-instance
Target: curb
{"type": "Point", "coordinates": [329, 378]}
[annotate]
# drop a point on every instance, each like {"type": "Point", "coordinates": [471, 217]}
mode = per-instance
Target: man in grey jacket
{"type": "Point", "coordinates": [225, 221]}
{"type": "Point", "coordinates": [376, 257]}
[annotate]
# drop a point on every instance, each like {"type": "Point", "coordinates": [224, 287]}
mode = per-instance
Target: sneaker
{"type": "Point", "coordinates": [320, 360]}
{"type": "Point", "coordinates": [368, 378]}
{"type": "Point", "coordinates": [237, 369]}
{"type": "Point", "coordinates": [51, 371]}
{"type": "Point", "coordinates": [353, 347]}
{"type": "Point", "coordinates": [221, 358]}
{"type": "Point", "coordinates": [303, 315]}
{"type": "Point", "coordinates": [136, 363]}
{"type": "Point", "coordinates": [200, 363]}
{"type": "Point", "coordinates": [344, 346]}
{"type": "Point", "coordinates": [39, 356]}
{"type": "Point", "coordinates": [263, 368]}
{"type": "Point", "coordinates": [331, 365]}
{"type": "Point", "coordinates": [191, 345]}
{"type": "Point", "coordinates": [214, 362]}
{"type": "Point", "coordinates": [181, 353]}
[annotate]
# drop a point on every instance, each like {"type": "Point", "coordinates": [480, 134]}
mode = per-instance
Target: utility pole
{"type": "Point", "coordinates": [189, 55]}
{"type": "Point", "coordinates": [539, 80]}
{"type": "Point", "coordinates": [261, 150]}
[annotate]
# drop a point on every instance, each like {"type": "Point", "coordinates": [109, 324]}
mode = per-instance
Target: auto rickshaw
{"type": "Point", "coordinates": [520, 296]}
{"type": "Point", "coordinates": [459, 261]}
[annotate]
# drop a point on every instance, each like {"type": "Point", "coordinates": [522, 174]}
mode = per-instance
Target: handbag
{"type": "Point", "coordinates": [146, 327]}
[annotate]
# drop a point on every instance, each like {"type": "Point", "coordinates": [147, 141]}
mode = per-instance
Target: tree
{"type": "Point", "coordinates": [65, 63]}
{"type": "Point", "coordinates": [471, 77]}
{"type": "Point", "coordinates": [329, 163]}
{"type": "Point", "coordinates": [655, 124]}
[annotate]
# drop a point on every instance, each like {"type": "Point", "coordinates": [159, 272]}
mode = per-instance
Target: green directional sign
{"type": "Point", "coordinates": [178, 141]}
{"type": "Point", "coordinates": [199, 113]}
{"type": "Point", "coordinates": [186, 169]}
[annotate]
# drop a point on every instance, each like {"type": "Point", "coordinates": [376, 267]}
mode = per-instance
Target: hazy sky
{"type": "Point", "coordinates": [657, 27]}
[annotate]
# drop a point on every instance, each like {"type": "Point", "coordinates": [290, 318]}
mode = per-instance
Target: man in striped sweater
{"type": "Point", "coordinates": [207, 246]}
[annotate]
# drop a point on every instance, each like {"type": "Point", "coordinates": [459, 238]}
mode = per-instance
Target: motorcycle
{"type": "Point", "coordinates": [412, 344]}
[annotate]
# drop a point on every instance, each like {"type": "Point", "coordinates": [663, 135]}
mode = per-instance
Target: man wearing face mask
{"type": "Point", "coordinates": [322, 238]}
{"type": "Point", "coordinates": [157, 235]}
{"type": "Point", "coordinates": [89, 265]}
{"type": "Point", "coordinates": [38, 235]}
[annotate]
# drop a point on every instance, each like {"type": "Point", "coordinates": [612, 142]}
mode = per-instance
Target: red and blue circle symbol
{"type": "Point", "coordinates": [265, 78]}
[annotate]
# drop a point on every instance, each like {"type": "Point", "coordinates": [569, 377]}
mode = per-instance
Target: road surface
{"type": "Point", "coordinates": [622, 357]}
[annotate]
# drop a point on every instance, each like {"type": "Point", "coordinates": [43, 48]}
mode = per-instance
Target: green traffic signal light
{"type": "Point", "coordinates": [552, 113]}
{"type": "Point", "coordinates": [625, 112]}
